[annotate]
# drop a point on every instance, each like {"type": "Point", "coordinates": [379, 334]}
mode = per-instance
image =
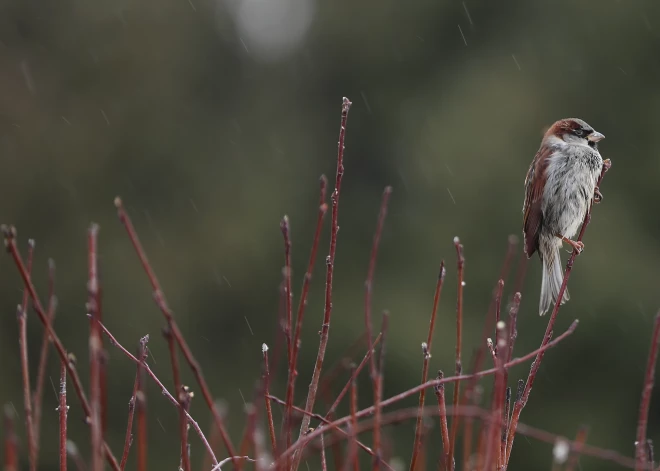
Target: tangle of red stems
{"type": "Point", "coordinates": [500, 423]}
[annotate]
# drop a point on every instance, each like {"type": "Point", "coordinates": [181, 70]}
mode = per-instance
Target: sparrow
{"type": "Point", "coordinates": [559, 189]}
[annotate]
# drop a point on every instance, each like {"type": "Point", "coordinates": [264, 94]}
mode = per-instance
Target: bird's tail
{"type": "Point", "coordinates": [552, 274]}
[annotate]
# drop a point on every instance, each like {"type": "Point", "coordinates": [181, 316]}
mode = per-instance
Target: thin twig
{"type": "Point", "coordinates": [580, 440]}
{"type": "Point", "coordinates": [10, 243]}
{"type": "Point", "coordinates": [505, 422]}
{"type": "Point", "coordinates": [11, 442]}
{"type": "Point", "coordinates": [352, 453]}
{"type": "Point", "coordinates": [128, 440]}
{"type": "Point", "coordinates": [269, 410]}
{"type": "Point", "coordinates": [378, 393]}
{"type": "Point", "coordinates": [214, 439]}
{"type": "Point", "coordinates": [63, 409]}
{"type": "Point", "coordinates": [233, 459]}
{"type": "Point", "coordinates": [329, 416]}
{"type": "Point", "coordinates": [401, 415]}
{"type": "Point", "coordinates": [369, 282]}
{"type": "Point", "coordinates": [185, 397]}
{"type": "Point", "coordinates": [641, 455]}
{"type": "Point", "coordinates": [342, 364]}
{"type": "Point", "coordinates": [331, 423]}
{"type": "Point", "coordinates": [324, 465]}
{"type": "Point", "coordinates": [494, 436]}
{"type": "Point", "coordinates": [459, 332]}
{"type": "Point", "coordinates": [180, 396]}
{"type": "Point", "coordinates": [513, 324]}
{"type": "Point", "coordinates": [375, 374]}
{"type": "Point", "coordinates": [249, 441]}
{"type": "Point", "coordinates": [295, 346]}
{"type": "Point", "coordinates": [428, 425]}
{"type": "Point", "coordinates": [330, 262]}
{"type": "Point", "coordinates": [38, 395]}
{"type": "Point", "coordinates": [21, 316]}
{"type": "Point", "coordinates": [469, 394]}
{"type": "Point", "coordinates": [145, 366]}
{"type": "Point", "coordinates": [357, 371]}
{"type": "Point", "coordinates": [95, 348]}
{"type": "Point", "coordinates": [519, 405]}
{"type": "Point", "coordinates": [442, 412]}
{"type": "Point", "coordinates": [288, 295]}
{"type": "Point", "coordinates": [141, 406]}
{"type": "Point", "coordinates": [280, 334]}
{"type": "Point", "coordinates": [426, 352]}
{"type": "Point", "coordinates": [159, 298]}
{"type": "Point", "coordinates": [302, 441]}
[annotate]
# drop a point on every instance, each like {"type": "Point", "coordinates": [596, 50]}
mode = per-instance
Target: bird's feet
{"type": "Point", "coordinates": [577, 245]}
{"type": "Point", "coordinates": [598, 196]}
{"type": "Point", "coordinates": [607, 163]}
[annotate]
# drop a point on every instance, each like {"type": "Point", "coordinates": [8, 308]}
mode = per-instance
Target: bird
{"type": "Point", "coordinates": [560, 186]}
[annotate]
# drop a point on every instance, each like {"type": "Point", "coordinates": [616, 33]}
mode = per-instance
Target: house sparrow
{"type": "Point", "coordinates": [559, 188]}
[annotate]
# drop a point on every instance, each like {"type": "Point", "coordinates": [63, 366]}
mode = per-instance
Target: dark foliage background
{"type": "Point", "coordinates": [212, 119]}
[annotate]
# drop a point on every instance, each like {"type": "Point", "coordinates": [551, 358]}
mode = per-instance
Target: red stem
{"type": "Point", "coordinates": [288, 295]}
{"type": "Point", "coordinates": [335, 429]}
{"type": "Point", "coordinates": [641, 457]}
{"type": "Point", "coordinates": [95, 348]}
{"type": "Point", "coordinates": [302, 441]}
{"type": "Point", "coordinates": [329, 377]}
{"type": "Point", "coordinates": [324, 465]}
{"type": "Point", "coordinates": [249, 442]}
{"type": "Point", "coordinates": [376, 375]}
{"type": "Point", "coordinates": [401, 415]}
{"type": "Point", "coordinates": [518, 407]}
{"type": "Point", "coordinates": [43, 356]}
{"type": "Point", "coordinates": [10, 441]}
{"type": "Point", "coordinates": [469, 394]}
{"type": "Point", "coordinates": [368, 284]}
{"type": "Point", "coordinates": [10, 244]}
{"type": "Point", "coordinates": [181, 396]}
{"type": "Point", "coordinates": [214, 441]}
{"type": "Point", "coordinates": [459, 334]}
{"type": "Point", "coordinates": [426, 352]}
{"type": "Point", "coordinates": [141, 405]}
{"type": "Point", "coordinates": [442, 412]}
{"type": "Point", "coordinates": [145, 367]}
{"type": "Point", "coordinates": [580, 440]}
{"type": "Point", "coordinates": [128, 440]}
{"type": "Point", "coordinates": [63, 409]}
{"type": "Point", "coordinates": [330, 261]}
{"type": "Point", "coordinates": [295, 347]}
{"type": "Point", "coordinates": [355, 373]}
{"type": "Point", "coordinates": [505, 421]}
{"type": "Point", "coordinates": [269, 410]}
{"type": "Point", "coordinates": [21, 316]}
{"type": "Point", "coordinates": [159, 298]}
{"type": "Point", "coordinates": [351, 455]}
{"type": "Point", "coordinates": [378, 394]}
{"type": "Point", "coordinates": [513, 321]}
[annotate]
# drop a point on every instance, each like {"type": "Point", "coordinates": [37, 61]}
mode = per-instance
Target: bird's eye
{"type": "Point", "coordinates": [579, 132]}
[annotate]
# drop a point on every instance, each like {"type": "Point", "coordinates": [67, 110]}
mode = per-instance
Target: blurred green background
{"type": "Point", "coordinates": [213, 119]}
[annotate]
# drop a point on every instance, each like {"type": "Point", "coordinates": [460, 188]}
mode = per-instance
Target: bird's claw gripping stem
{"type": "Point", "coordinates": [598, 196]}
{"type": "Point", "coordinates": [578, 246]}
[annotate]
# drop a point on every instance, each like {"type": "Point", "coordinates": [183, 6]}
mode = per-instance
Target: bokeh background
{"type": "Point", "coordinates": [214, 118]}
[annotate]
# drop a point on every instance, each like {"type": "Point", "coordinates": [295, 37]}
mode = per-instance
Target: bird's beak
{"type": "Point", "coordinates": [595, 136]}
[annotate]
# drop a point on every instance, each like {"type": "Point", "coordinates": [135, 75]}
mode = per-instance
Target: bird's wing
{"type": "Point", "coordinates": [534, 186]}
